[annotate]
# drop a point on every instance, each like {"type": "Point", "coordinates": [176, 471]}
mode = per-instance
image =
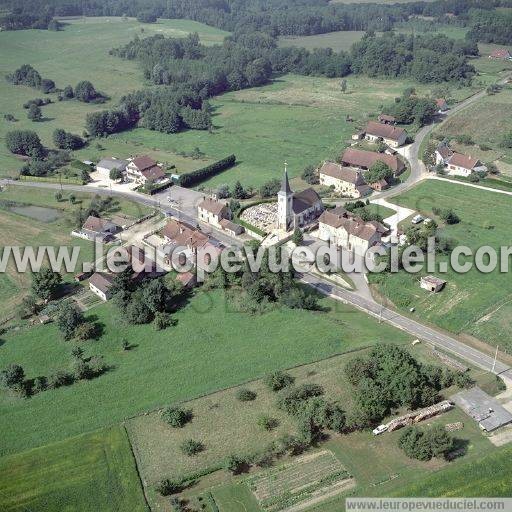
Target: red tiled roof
{"type": "Point", "coordinates": [212, 206]}
{"type": "Point", "coordinates": [365, 159]}
{"type": "Point", "coordinates": [342, 173]}
{"type": "Point", "coordinates": [353, 225]}
{"type": "Point", "coordinates": [500, 53]}
{"type": "Point", "coordinates": [385, 131]}
{"type": "Point", "coordinates": [143, 162]}
{"type": "Point", "coordinates": [465, 161]}
{"type": "Point", "coordinates": [153, 173]}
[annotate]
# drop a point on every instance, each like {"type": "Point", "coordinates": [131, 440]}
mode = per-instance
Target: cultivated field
{"type": "Point", "coordinates": [473, 303]}
{"type": "Point", "coordinates": [205, 351]}
{"type": "Point", "coordinates": [89, 473]}
{"type": "Point", "coordinates": [79, 52]}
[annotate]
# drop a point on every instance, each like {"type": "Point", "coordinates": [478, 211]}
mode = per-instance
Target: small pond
{"type": "Point", "coordinates": [39, 213]}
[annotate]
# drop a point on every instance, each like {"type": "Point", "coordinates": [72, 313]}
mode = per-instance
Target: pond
{"type": "Point", "coordinates": [39, 213]}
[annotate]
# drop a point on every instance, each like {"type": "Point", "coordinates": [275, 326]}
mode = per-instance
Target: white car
{"type": "Point", "coordinates": [379, 430]}
{"type": "Point", "coordinates": [417, 219]}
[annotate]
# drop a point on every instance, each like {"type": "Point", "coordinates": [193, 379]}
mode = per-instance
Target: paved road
{"type": "Point", "coordinates": [422, 332]}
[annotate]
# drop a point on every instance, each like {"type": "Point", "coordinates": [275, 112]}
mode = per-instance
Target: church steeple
{"type": "Point", "coordinates": [285, 184]}
{"type": "Point", "coordinates": [284, 203]}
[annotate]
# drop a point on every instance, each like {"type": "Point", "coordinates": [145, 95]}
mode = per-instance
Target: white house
{"type": "Point", "coordinates": [349, 231]}
{"type": "Point", "coordinates": [100, 284]}
{"type": "Point", "coordinates": [389, 134]}
{"type": "Point", "coordinates": [102, 229]}
{"type": "Point", "coordinates": [143, 169]}
{"type": "Point", "coordinates": [105, 165]}
{"type": "Point", "coordinates": [296, 209]}
{"type": "Point", "coordinates": [212, 211]}
{"type": "Point", "coordinates": [345, 180]}
{"type": "Point", "coordinates": [463, 165]}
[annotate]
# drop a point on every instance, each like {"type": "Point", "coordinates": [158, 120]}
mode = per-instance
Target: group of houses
{"type": "Point", "coordinates": [457, 164]}
{"type": "Point", "coordinates": [142, 267]}
{"type": "Point", "coordinates": [139, 170]}
{"type": "Point", "coordinates": [348, 177]}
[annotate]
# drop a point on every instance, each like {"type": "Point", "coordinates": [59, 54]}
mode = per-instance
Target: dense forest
{"type": "Point", "coordinates": [275, 17]}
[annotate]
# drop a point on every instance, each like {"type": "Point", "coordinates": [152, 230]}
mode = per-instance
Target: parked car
{"type": "Point", "coordinates": [417, 219]}
{"type": "Point", "coordinates": [379, 430]}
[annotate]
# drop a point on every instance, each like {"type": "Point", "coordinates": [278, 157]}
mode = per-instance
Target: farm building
{"type": "Point", "coordinates": [105, 165]}
{"type": "Point", "coordinates": [432, 284]}
{"type": "Point", "coordinates": [390, 135]}
{"type": "Point", "coordinates": [483, 408]}
{"type": "Point", "coordinates": [386, 119]}
{"type": "Point", "coordinates": [441, 104]}
{"type": "Point", "coordinates": [501, 53]}
{"type": "Point", "coordinates": [345, 180]}
{"type": "Point", "coordinates": [365, 159]}
{"type": "Point", "coordinates": [100, 284]}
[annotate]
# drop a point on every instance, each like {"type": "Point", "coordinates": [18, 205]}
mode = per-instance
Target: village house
{"type": "Point", "coordinates": [432, 284]}
{"type": "Point", "coordinates": [105, 165]}
{"type": "Point", "coordinates": [442, 106]}
{"type": "Point", "coordinates": [457, 164]}
{"type": "Point", "coordinates": [100, 284]}
{"type": "Point", "coordinates": [345, 180]}
{"type": "Point", "coordinates": [380, 185]}
{"type": "Point", "coordinates": [143, 169]}
{"type": "Point", "coordinates": [386, 119]}
{"type": "Point", "coordinates": [349, 231]}
{"type": "Point", "coordinates": [296, 209]}
{"type": "Point", "coordinates": [365, 159]}
{"type": "Point", "coordinates": [211, 211]}
{"type": "Point", "coordinates": [190, 239]}
{"type": "Point", "coordinates": [101, 229]}
{"type": "Point", "coordinates": [231, 228]}
{"type": "Point", "coordinates": [389, 134]}
{"type": "Point", "coordinates": [501, 53]}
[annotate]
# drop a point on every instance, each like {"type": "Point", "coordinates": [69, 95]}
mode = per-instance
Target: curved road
{"type": "Point", "coordinates": [360, 300]}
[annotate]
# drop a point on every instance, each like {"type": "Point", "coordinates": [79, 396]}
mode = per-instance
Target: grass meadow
{"type": "Point", "coordinates": [472, 303]}
{"type": "Point", "coordinates": [204, 352]}
{"type": "Point", "coordinates": [91, 473]}
{"type": "Point", "coordinates": [79, 52]}
{"type": "Point", "coordinates": [20, 230]}
{"type": "Point", "coordinates": [227, 426]}
{"type": "Point", "coordinates": [338, 41]}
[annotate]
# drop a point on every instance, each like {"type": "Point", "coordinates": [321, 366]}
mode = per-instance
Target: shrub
{"type": "Point", "coordinates": [245, 395]}
{"type": "Point", "coordinates": [291, 399]}
{"type": "Point", "coordinates": [86, 331]}
{"type": "Point", "coordinates": [278, 380]}
{"type": "Point", "coordinates": [268, 423]}
{"type": "Point", "coordinates": [176, 417]}
{"type": "Point", "coordinates": [288, 444]}
{"type": "Point", "coordinates": [60, 378]}
{"type": "Point", "coordinates": [450, 217]}
{"type": "Point", "coordinates": [40, 384]}
{"type": "Point", "coordinates": [167, 487]}
{"type": "Point", "coordinates": [235, 464]}
{"type": "Point", "coordinates": [463, 380]}
{"type": "Point", "coordinates": [423, 444]}
{"type": "Point", "coordinates": [191, 447]}
{"type": "Point", "coordinates": [13, 376]}
{"type": "Point", "coordinates": [164, 320]}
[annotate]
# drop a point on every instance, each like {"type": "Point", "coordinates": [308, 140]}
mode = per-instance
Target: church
{"type": "Point", "coordinates": [296, 209]}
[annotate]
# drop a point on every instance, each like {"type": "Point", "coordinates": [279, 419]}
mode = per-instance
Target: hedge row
{"type": "Point", "coordinates": [53, 179]}
{"type": "Point", "coordinates": [192, 178]}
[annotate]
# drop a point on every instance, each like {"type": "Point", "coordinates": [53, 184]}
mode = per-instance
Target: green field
{"type": "Point", "coordinates": [212, 347]}
{"type": "Point", "coordinates": [487, 121]}
{"type": "Point", "coordinates": [488, 476]}
{"type": "Point", "coordinates": [19, 230]}
{"type": "Point", "coordinates": [90, 473]}
{"type": "Point", "coordinates": [473, 303]}
{"type": "Point", "coordinates": [79, 52]}
{"type": "Point", "coordinates": [338, 41]}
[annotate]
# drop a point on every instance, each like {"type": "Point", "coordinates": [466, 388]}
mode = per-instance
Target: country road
{"type": "Point", "coordinates": [361, 299]}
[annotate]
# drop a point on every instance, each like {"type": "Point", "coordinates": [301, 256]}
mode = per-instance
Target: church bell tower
{"type": "Point", "coordinates": [284, 203]}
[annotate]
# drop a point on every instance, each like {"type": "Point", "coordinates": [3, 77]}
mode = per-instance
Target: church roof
{"type": "Point", "coordinates": [304, 200]}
